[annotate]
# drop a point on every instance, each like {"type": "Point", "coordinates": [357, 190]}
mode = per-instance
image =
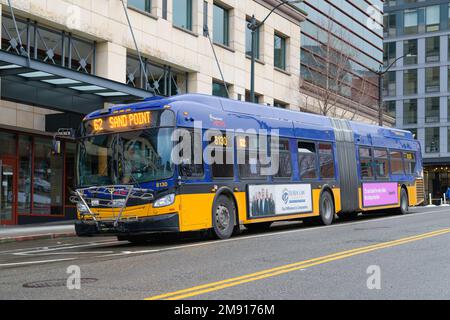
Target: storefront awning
{"type": "Point", "coordinates": [54, 87]}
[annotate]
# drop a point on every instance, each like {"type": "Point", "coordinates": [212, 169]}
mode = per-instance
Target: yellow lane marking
{"type": "Point", "coordinates": [268, 273]}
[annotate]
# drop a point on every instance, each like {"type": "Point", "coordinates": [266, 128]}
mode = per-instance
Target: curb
{"type": "Point", "coordinates": [47, 236]}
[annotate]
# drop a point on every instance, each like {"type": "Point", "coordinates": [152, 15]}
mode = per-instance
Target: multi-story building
{"type": "Point", "coordinates": [61, 59]}
{"type": "Point", "coordinates": [417, 88]}
{"type": "Point", "coordinates": [341, 51]}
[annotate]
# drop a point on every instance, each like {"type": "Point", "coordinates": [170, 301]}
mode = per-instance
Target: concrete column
{"type": "Point", "coordinates": [420, 112]}
{"type": "Point", "coordinates": [111, 61]}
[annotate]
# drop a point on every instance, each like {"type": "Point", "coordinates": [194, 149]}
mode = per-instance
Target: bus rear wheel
{"type": "Point", "coordinates": [326, 206]}
{"type": "Point", "coordinates": [224, 217]}
{"type": "Point", "coordinates": [404, 204]}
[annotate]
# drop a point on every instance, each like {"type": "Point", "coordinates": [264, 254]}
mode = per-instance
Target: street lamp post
{"type": "Point", "coordinates": [380, 73]}
{"type": "Point", "coordinates": [254, 26]}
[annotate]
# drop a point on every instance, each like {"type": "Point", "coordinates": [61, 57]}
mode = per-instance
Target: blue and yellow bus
{"type": "Point", "coordinates": [130, 187]}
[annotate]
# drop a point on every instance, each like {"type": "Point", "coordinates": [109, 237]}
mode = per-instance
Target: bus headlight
{"type": "Point", "coordinates": [164, 201]}
{"type": "Point", "coordinates": [82, 208]}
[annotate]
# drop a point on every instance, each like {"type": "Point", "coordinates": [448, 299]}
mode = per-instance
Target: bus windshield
{"type": "Point", "coordinates": [125, 158]}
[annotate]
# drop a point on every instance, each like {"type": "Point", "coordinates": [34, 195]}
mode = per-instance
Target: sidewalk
{"type": "Point", "coordinates": [36, 232]}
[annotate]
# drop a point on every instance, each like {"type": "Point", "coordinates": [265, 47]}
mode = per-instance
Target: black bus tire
{"type": "Point", "coordinates": [326, 205]}
{"type": "Point", "coordinates": [223, 217]}
{"type": "Point", "coordinates": [258, 226]}
{"type": "Point", "coordinates": [404, 203]}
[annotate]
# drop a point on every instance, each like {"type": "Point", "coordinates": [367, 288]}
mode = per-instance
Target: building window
{"type": "Point", "coordinates": [410, 22]}
{"type": "Point", "coordinates": [279, 52]}
{"type": "Point", "coordinates": [389, 53]}
{"type": "Point", "coordinates": [164, 9]}
{"type": "Point", "coordinates": [221, 29]}
{"type": "Point", "coordinates": [391, 108]}
{"type": "Point", "coordinates": [410, 112]}
{"type": "Point", "coordinates": [390, 25]}
{"type": "Point", "coordinates": [390, 85]}
{"type": "Point", "coordinates": [248, 40]}
{"type": "Point", "coordinates": [205, 18]}
{"type": "Point", "coordinates": [432, 110]}
{"type": "Point", "coordinates": [410, 82]}
{"type": "Point", "coordinates": [432, 49]}
{"type": "Point", "coordinates": [182, 14]}
{"type": "Point", "coordinates": [448, 109]}
{"type": "Point", "coordinates": [433, 18]}
{"type": "Point", "coordinates": [280, 104]}
{"type": "Point", "coordinates": [448, 139]}
{"type": "Point", "coordinates": [410, 49]}
{"type": "Point", "coordinates": [144, 5]}
{"type": "Point", "coordinates": [219, 89]}
{"type": "Point", "coordinates": [432, 79]}
{"type": "Point", "coordinates": [432, 142]}
{"type": "Point", "coordinates": [258, 97]}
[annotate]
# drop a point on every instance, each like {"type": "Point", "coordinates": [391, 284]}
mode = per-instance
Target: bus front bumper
{"type": "Point", "coordinates": [156, 224]}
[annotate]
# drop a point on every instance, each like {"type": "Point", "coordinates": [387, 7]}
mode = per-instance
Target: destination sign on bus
{"type": "Point", "coordinates": [120, 122]}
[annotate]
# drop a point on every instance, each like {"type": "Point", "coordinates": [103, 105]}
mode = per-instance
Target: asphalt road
{"type": "Point", "coordinates": [408, 257]}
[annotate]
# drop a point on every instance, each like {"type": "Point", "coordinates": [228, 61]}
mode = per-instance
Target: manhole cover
{"type": "Point", "coordinates": [55, 283]}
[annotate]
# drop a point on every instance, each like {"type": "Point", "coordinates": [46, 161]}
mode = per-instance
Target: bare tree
{"type": "Point", "coordinates": [330, 88]}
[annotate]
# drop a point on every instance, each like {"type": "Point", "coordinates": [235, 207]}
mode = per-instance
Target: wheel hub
{"type": "Point", "coordinates": [222, 217]}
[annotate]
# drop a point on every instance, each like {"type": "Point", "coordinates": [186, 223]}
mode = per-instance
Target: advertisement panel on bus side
{"type": "Point", "coordinates": [380, 194]}
{"type": "Point", "coordinates": [270, 200]}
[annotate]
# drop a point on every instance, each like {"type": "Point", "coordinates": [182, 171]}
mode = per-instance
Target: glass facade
{"type": "Point", "coordinates": [340, 28]}
{"type": "Point", "coordinates": [422, 28]}
{"type": "Point", "coordinates": [44, 180]}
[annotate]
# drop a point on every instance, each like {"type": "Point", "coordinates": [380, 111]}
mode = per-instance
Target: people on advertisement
{"type": "Point", "coordinates": [262, 204]}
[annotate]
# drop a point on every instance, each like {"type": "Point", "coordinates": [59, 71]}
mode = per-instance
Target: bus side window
{"type": "Point", "coordinates": [307, 160]}
{"type": "Point", "coordinates": [326, 160]}
{"type": "Point", "coordinates": [248, 159]}
{"type": "Point", "coordinates": [222, 169]}
{"type": "Point", "coordinates": [285, 164]}
{"type": "Point", "coordinates": [381, 163]}
{"type": "Point", "coordinates": [188, 168]}
{"type": "Point", "coordinates": [410, 162]}
{"type": "Point", "coordinates": [365, 160]}
{"type": "Point", "coordinates": [397, 163]}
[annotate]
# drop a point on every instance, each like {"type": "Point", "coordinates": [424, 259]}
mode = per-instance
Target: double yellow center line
{"type": "Point", "coordinates": [268, 273]}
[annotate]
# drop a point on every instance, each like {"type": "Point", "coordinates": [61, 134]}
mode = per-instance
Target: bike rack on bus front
{"type": "Point", "coordinates": [111, 190]}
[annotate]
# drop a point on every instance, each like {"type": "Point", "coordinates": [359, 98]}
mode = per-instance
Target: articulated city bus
{"type": "Point", "coordinates": [130, 186]}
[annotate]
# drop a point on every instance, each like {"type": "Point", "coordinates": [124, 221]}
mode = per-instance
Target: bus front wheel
{"type": "Point", "coordinates": [326, 209]}
{"type": "Point", "coordinates": [224, 217]}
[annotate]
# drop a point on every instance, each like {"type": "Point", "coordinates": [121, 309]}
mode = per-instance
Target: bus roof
{"type": "Point", "coordinates": [205, 106]}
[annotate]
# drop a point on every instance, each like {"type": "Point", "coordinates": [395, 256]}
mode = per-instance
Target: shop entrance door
{"type": "Point", "coordinates": [7, 192]}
